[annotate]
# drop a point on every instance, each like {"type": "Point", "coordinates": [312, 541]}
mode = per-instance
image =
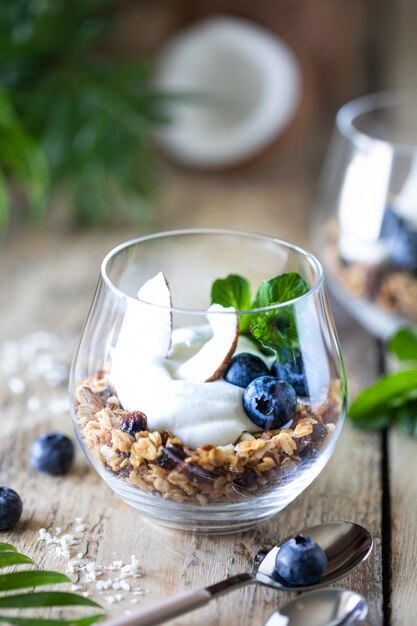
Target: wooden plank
{"type": "Point", "coordinates": [55, 296]}
{"type": "Point", "coordinates": [402, 456]}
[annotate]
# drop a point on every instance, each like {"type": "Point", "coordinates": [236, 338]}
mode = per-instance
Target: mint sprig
{"type": "Point", "coordinates": [273, 331]}
{"type": "Point", "coordinates": [392, 399]}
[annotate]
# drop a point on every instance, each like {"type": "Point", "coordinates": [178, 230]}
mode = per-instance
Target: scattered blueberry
{"type": "Point", "coordinates": [294, 373]}
{"type": "Point", "coordinates": [52, 453]}
{"type": "Point", "coordinates": [10, 508]}
{"type": "Point", "coordinates": [244, 368]}
{"type": "Point", "coordinates": [300, 561]}
{"type": "Point", "coordinates": [133, 422]}
{"type": "Point", "coordinates": [401, 238]}
{"type": "Point", "coordinates": [172, 455]}
{"type": "Point", "coordinates": [269, 402]}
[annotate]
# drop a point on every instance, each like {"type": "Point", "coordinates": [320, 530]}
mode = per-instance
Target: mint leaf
{"type": "Point", "coordinates": [234, 290]}
{"type": "Point", "coordinates": [279, 289]}
{"type": "Point", "coordinates": [404, 344]}
{"type": "Point", "coordinates": [376, 420]}
{"type": "Point", "coordinates": [406, 418]}
{"type": "Point", "coordinates": [276, 331]}
{"type": "Point", "coordinates": [390, 392]}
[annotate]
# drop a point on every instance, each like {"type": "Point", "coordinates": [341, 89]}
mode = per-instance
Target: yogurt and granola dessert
{"type": "Point", "coordinates": [208, 413]}
{"type": "Point", "coordinates": [374, 256]}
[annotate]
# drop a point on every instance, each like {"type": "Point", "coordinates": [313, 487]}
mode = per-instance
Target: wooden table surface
{"type": "Point", "coordinates": [46, 284]}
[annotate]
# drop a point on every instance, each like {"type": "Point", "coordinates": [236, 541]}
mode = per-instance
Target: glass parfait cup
{"type": "Point", "coordinates": [365, 226]}
{"type": "Point", "coordinates": [152, 404]}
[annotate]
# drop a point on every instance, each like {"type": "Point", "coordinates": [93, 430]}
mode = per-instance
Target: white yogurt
{"type": "Point", "coordinates": [197, 413]}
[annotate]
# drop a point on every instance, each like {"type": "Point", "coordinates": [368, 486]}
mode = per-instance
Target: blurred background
{"type": "Point", "coordinates": [111, 126]}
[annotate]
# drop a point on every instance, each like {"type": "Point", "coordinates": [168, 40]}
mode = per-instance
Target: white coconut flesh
{"type": "Point", "coordinates": [144, 337]}
{"type": "Point", "coordinates": [212, 359]}
{"type": "Point", "coordinates": [250, 86]}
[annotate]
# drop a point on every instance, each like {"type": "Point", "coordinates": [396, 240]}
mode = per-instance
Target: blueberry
{"type": "Point", "coordinates": [294, 373]}
{"type": "Point", "coordinates": [10, 508]}
{"type": "Point", "coordinates": [52, 453]}
{"type": "Point", "coordinates": [300, 561]}
{"type": "Point", "coordinates": [244, 368]}
{"type": "Point", "coordinates": [401, 238]}
{"type": "Point", "coordinates": [269, 402]}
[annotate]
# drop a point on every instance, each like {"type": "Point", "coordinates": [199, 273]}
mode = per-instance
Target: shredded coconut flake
{"type": "Point", "coordinates": [86, 572]}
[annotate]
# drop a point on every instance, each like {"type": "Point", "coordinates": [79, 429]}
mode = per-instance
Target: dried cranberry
{"type": "Point", "coordinates": [246, 479]}
{"type": "Point", "coordinates": [133, 422]}
{"type": "Point", "coordinates": [172, 455]}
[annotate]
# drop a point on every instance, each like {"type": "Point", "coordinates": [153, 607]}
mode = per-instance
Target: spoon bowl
{"type": "Point", "coordinates": [346, 545]}
{"type": "Point", "coordinates": [323, 607]}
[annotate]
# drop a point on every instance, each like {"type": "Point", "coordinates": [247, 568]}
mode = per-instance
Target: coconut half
{"type": "Point", "coordinates": [248, 87]}
{"type": "Point", "coordinates": [212, 359]}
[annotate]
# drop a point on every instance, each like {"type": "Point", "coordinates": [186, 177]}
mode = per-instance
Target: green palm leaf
{"type": "Point", "coordinates": [29, 579]}
{"type": "Point", "coordinates": [27, 621]}
{"type": "Point", "coordinates": [8, 558]}
{"type": "Point", "coordinates": [45, 599]}
{"type": "Point", "coordinates": [34, 578]}
{"type": "Point", "coordinates": [7, 547]}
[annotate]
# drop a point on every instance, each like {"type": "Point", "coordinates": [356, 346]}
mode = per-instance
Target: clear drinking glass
{"type": "Point", "coordinates": [365, 227]}
{"type": "Point", "coordinates": [184, 452]}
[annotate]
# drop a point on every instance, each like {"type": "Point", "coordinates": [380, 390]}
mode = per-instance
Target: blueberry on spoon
{"type": "Point", "coordinates": [301, 561]}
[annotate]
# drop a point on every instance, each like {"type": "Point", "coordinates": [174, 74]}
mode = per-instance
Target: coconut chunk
{"type": "Point", "coordinates": [144, 338]}
{"type": "Point", "coordinates": [157, 321]}
{"type": "Point", "coordinates": [212, 359]}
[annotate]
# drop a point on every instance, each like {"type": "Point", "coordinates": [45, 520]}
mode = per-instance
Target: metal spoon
{"type": "Point", "coordinates": [346, 545]}
{"type": "Point", "coordinates": [323, 607]}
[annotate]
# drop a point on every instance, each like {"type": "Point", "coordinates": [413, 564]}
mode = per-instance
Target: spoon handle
{"type": "Point", "coordinates": [180, 604]}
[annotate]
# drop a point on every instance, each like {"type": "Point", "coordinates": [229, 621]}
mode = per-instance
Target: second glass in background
{"type": "Point", "coordinates": [365, 228]}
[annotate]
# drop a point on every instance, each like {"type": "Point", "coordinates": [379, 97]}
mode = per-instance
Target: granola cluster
{"type": "Point", "coordinates": [159, 463]}
{"type": "Point", "coordinates": [390, 288]}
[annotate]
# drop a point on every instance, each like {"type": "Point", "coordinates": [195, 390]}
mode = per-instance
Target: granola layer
{"type": "Point", "coordinates": [389, 287]}
{"type": "Point", "coordinates": [158, 462]}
